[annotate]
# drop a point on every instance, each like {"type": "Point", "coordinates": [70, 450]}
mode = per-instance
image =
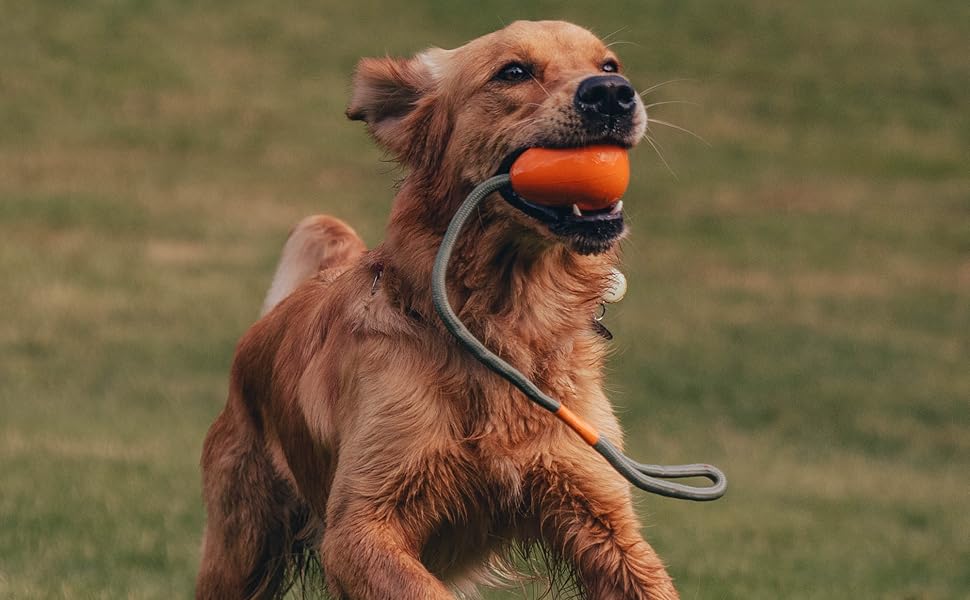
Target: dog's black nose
{"type": "Point", "coordinates": [606, 95]}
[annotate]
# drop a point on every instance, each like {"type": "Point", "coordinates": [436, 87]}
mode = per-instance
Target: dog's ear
{"type": "Point", "coordinates": [388, 94]}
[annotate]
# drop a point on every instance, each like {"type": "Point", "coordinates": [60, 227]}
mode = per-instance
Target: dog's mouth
{"type": "Point", "coordinates": [587, 231]}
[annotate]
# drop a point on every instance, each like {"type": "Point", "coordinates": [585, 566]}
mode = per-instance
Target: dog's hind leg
{"type": "Point", "coordinates": [316, 243]}
{"type": "Point", "coordinates": [253, 517]}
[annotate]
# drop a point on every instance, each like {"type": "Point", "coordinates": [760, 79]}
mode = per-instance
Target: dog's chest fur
{"type": "Point", "coordinates": [503, 434]}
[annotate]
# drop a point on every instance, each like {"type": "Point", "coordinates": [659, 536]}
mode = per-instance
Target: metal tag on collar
{"type": "Point", "coordinates": [617, 289]}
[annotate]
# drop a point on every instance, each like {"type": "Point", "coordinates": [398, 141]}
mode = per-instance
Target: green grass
{"type": "Point", "coordinates": [799, 310]}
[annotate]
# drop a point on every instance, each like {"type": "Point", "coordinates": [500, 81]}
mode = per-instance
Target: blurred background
{"type": "Point", "coordinates": [799, 305]}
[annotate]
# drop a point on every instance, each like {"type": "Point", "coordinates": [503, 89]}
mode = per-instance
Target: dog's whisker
{"type": "Point", "coordinates": [678, 128]}
{"type": "Point", "coordinates": [652, 104]}
{"type": "Point", "coordinates": [620, 30]}
{"type": "Point", "coordinates": [542, 87]}
{"type": "Point", "coordinates": [528, 121]}
{"type": "Point", "coordinates": [481, 219]}
{"type": "Point", "coordinates": [620, 42]}
{"type": "Point", "coordinates": [663, 83]}
{"type": "Point", "coordinates": [656, 148]}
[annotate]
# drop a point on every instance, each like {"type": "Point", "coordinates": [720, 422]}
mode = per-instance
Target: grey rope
{"type": "Point", "coordinates": [650, 478]}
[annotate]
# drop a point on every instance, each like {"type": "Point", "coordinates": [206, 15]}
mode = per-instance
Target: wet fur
{"type": "Point", "coordinates": [358, 433]}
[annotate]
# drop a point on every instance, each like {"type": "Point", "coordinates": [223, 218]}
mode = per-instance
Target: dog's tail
{"type": "Point", "coordinates": [316, 243]}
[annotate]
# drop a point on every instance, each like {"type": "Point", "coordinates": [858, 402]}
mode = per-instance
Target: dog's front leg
{"type": "Point", "coordinates": [383, 507]}
{"type": "Point", "coordinates": [587, 518]}
{"type": "Point", "coordinates": [369, 560]}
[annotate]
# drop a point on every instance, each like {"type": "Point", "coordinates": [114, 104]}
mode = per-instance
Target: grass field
{"type": "Point", "coordinates": [799, 311]}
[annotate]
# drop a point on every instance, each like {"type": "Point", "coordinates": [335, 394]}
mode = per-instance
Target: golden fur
{"type": "Point", "coordinates": [357, 430]}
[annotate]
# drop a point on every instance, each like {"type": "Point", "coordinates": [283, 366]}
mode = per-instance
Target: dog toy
{"type": "Point", "coordinates": [592, 178]}
{"type": "Point", "coordinates": [584, 175]}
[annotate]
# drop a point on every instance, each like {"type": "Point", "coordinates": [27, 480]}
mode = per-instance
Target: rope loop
{"type": "Point", "coordinates": [649, 478]}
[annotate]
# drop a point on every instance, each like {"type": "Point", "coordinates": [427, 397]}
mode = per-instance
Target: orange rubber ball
{"type": "Point", "coordinates": [593, 178]}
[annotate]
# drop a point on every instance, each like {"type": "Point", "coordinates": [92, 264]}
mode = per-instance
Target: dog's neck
{"type": "Point", "coordinates": [514, 290]}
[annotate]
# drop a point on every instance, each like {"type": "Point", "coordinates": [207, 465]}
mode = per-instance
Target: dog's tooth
{"type": "Point", "coordinates": [576, 211]}
{"type": "Point", "coordinates": [617, 208]}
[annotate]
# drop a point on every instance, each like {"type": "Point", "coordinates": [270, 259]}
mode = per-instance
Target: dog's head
{"type": "Point", "coordinates": [456, 117]}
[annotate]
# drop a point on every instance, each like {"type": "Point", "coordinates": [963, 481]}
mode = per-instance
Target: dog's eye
{"type": "Point", "coordinates": [610, 66]}
{"type": "Point", "coordinates": [514, 73]}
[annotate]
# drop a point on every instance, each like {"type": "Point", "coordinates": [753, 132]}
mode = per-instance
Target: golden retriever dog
{"type": "Point", "coordinates": [357, 432]}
